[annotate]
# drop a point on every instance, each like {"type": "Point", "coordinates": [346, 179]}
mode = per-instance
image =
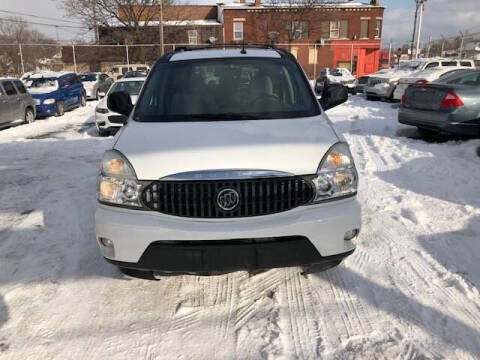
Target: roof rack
{"type": "Point", "coordinates": [243, 46]}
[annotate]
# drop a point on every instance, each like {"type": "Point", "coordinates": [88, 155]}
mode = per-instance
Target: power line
{"type": "Point", "coordinates": [44, 24]}
{"type": "Point", "coordinates": [39, 17]}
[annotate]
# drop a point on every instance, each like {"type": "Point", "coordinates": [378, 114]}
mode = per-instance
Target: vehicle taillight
{"type": "Point", "coordinates": [451, 100]}
{"type": "Point", "coordinates": [404, 98]}
{"type": "Point", "coordinates": [422, 82]}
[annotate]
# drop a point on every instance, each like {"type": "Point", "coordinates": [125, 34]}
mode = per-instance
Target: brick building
{"type": "Point", "coordinates": [334, 34]}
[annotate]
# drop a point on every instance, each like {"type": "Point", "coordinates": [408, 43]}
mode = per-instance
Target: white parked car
{"type": "Point", "coordinates": [383, 85]}
{"type": "Point", "coordinates": [108, 122]}
{"type": "Point", "coordinates": [228, 172]}
{"type": "Point", "coordinates": [336, 76]}
{"type": "Point", "coordinates": [425, 77]}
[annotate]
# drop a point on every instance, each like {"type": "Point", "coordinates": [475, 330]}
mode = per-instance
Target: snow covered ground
{"type": "Point", "coordinates": [410, 291]}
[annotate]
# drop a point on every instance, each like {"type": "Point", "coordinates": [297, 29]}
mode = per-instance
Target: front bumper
{"type": "Point", "coordinates": [306, 235]}
{"type": "Point", "coordinates": [91, 93]}
{"type": "Point", "coordinates": [46, 110]}
{"type": "Point", "coordinates": [384, 90]}
{"type": "Point", "coordinates": [103, 123]}
{"type": "Point", "coordinates": [457, 122]}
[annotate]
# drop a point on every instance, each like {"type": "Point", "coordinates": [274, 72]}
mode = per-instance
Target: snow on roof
{"type": "Point", "coordinates": [346, 4]}
{"type": "Point", "coordinates": [49, 74]}
{"type": "Point", "coordinates": [132, 79]}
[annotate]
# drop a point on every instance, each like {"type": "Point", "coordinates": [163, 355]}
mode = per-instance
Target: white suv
{"type": "Point", "coordinates": [227, 162]}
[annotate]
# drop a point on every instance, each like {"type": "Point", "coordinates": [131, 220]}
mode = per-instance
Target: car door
{"type": "Point", "coordinates": [10, 101]}
{"type": "Point", "coordinates": [4, 108]}
{"type": "Point", "coordinates": [23, 96]}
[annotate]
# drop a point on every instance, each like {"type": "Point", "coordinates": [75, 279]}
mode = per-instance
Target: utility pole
{"type": "Point", "coordinates": [429, 46]}
{"type": "Point", "coordinates": [461, 44]}
{"type": "Point", "coordinates": [390, 54]}
{"type": "Point", "coordinates": [160, 28]}
{"type": "Point", "coordinates": [412, 44]}
{"type": "Point", "coordinates": [421, 7]}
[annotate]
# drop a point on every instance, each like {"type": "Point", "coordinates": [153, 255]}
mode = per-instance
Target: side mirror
{"type": "Point", "coordinates": [120, 102]}
{"type": "Point", "coordinates": [333, 95]}
{"type": "Point", "coordinates": [101, 94]}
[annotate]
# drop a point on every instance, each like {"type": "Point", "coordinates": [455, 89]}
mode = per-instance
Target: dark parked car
{"type": "Point", "coordinates": [15, 102]}
{"type": "Point", "coordinates": [450, 105]}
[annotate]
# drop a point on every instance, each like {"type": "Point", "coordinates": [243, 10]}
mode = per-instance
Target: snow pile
{"type": "Point", "coordinates": [409, 291]}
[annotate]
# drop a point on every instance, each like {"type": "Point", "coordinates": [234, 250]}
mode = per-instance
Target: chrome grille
{"type": "Point", "coordinates": [198, 199]}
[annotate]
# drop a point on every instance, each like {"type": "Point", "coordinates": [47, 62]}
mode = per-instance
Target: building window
{"type": "Point", "coordinates": [364, 28]}
{"type": "Point", "coordinates": [378, 28]}
{"type": "Point", "coordinates": [297, 30]}
{"type": "Point", "coordinates": [238, 31]}
{"type": "Point", "coordinates": [335, 29]}
{"type": "Point", "coordinates": [192, 37]}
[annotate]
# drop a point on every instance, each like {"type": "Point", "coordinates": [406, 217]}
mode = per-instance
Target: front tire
{"type": "Point", "coordinates": [426, 132]}
{"type": "Point", "coordinates": [29, 116]}
{"type": "Point", "coordinates": [103, 133]}
{"type": "Point", "coordinates": [60, 109]}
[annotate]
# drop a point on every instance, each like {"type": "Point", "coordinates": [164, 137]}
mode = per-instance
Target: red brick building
{"type": "Point", "coordinates": [334, 34]}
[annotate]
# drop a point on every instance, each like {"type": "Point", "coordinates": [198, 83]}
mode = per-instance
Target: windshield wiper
{"type": "Point", "coordinates": [226, 116]}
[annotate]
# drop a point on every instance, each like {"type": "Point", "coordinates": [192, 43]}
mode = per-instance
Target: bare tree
{"type": "Point", "coordinates": [14, 30]}
{"type": "Point", "coordinates": [123, 19]}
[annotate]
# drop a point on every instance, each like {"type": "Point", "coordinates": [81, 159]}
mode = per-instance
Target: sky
{"type": "Point", "coordinates": [442, 18]}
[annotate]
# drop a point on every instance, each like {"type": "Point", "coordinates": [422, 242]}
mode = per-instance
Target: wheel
{"type": "Point", "coordinates": [102, 132]}
{"type": "Point", "coordinates": [316, 268]}
{"type": "Point", "coordinates": [139, 274]}
{"type": "Point", "coordinates": [97, 97]}
{"type": "Point", "coordinates": [426, 132]}
{"type": "Point", "coordinates": [83, 101]}
{"type": "Point", "coordinates": [29, 116]}
{"type": "Point", "coordinates": [60, 109]}
{"type": "Point", "coordinates": [371, 98]}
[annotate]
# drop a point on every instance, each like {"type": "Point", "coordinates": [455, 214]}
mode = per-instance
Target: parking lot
{"type": "Point", "coordinates": [410, 291]}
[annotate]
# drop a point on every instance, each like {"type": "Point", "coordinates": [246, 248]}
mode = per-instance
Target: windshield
{"type": "Point", "coordinates": [226, 89]}
{"type": "Point", "coordinates": [410, 65]}
{"type": "Point", "coordinates": [335, 72]}
{"type": "Point", "coordinates": [130, 87]}
{"type": "Point", "coordinates": [88, 77]}
{"type": "Point", "coordinates": [42, 83]}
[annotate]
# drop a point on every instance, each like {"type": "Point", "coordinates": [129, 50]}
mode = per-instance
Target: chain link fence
{"type": "Point", "coordinates": [17, 59]}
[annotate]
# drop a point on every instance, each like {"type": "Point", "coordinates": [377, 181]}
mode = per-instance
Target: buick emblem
{"type": "Point", "coordinates": [228, 199]}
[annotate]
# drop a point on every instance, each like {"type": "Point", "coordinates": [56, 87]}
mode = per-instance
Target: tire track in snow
{"type": "Point", "coordinates": [303, 327]}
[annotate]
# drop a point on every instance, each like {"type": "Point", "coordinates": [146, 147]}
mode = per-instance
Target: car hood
{"type": "Point", "coordinates": [157, 150]}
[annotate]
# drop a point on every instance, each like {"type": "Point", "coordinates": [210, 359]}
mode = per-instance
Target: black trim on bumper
{"type": "Point", "coordinates": [229, 255]}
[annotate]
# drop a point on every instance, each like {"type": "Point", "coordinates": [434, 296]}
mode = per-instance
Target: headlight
{"type": "Point", "coordinates": [49, 101]}
{"type": "Point", "coordinates": [101, 110]}
{"type": "Point", "coordinates": [117, 182]}
{"type": "Point", "coordinates": [336, 176]}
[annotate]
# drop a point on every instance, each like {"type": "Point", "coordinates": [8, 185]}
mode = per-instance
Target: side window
{"type": "Point", "coordinates": [20, 87]}
{"type": "Point", "coordinates": [467, 79]}
{"type": "Point", "coordinates": [103, 77]}
{"type": "Point", "coordinates": [449, 63]}
{"type": "Point", "coordinates": [9, 88]}
{"type": "Point", "coordinates": [431, 65]}
{"type": "Point", "coordinates": [466, 63]}
{"type": "Point", "coordinates": [62, 82]}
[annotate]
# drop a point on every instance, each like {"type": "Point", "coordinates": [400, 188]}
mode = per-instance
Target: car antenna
{"type": "Point", "coordinates": [243, 48]}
